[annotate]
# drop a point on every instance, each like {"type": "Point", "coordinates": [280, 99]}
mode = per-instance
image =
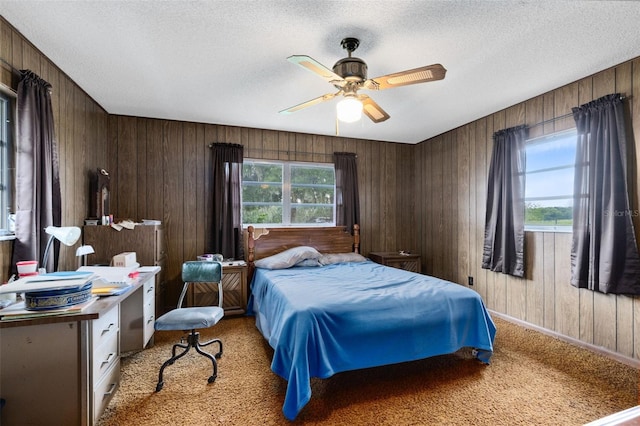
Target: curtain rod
{"type": "Point", "coordinates": [570, 114]}
{"type": "Point", "coordinates": [4, 61]}
{"type": "Point", "coordinates": [551, 120]}
{"type": "Point", "coordinates": [277, 151]}
{"type": "Point", "coordinates": [18, 74]}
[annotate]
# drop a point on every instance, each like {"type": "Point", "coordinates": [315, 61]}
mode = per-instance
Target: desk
{"type": "Point", "coordinates": [63, 370]}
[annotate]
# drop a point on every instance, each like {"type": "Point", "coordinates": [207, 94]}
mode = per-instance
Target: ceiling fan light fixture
{"type": "Point", "coordinates": [349, 75]}
{"type": "Point", "coordinates": [349, 109]}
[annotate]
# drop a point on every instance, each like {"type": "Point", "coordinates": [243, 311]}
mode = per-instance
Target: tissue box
{"type": "Point", "coordinates": [124, 259]}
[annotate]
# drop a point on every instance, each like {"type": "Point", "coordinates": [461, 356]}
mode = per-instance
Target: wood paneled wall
{"type": "Point", "coordinates": [427, 198]}
{"type": "Point", "coordinates": [451, 171]}
{"type": "Point", "coordinates": [161, 170]}
{"type": "Point", "coordinates": [80, 126]}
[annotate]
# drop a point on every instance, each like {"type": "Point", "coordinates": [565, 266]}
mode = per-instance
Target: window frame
{"type": "Point", "coordinates": [544, 139]}
{"type": "Point", "coordinates": [8, 102]}
{"type": "Point", "coordinates": [286, 194]}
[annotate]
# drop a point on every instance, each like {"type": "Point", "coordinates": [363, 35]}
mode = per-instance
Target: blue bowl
{"type": "Point", "coordinates": [57, 299]}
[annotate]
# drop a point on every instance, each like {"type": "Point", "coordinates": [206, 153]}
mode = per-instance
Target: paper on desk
{"type": "Point", "coordinates": [144, 269]}
{"type": "Point", "coordinates": [18, 310]}
{"type": "Point", "coordinates": [53, 281]}
{"type": "Point", "coordinates": [110, 275]}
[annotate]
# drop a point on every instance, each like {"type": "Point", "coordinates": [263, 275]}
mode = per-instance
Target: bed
{"type": "Point", "coordinates": [338, 311]}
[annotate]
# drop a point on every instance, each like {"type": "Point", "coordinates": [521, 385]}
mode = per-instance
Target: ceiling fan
{"type": "Point", "coordinates": [350, 75]}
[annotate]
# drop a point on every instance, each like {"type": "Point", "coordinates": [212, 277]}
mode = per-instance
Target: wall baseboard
{"type": "Point", "coordinates": [627, 417]}
{"type": "Point", "coordinates": [632, 362]}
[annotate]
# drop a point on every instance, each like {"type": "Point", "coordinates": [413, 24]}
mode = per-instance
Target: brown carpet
{"type": "Point", "coordinates": [533, 379]}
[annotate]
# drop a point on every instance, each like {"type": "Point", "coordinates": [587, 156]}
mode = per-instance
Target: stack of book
{"type": "Point", "coordinates": [49, 294]}
{"type": "Point", "coordinates": [111, 280]}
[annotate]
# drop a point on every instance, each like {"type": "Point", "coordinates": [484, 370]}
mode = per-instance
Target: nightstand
{"type": "Point", "coordinates": [234, 286]}
{"type": "Point", "coordinates": [410, 262]}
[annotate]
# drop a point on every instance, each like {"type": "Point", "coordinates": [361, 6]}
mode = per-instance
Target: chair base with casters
{"type": "Point", "coordinates": [194, 318]}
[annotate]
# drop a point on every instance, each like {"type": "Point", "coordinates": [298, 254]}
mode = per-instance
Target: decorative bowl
{"type": "Point", "coordinates": [57, 299]}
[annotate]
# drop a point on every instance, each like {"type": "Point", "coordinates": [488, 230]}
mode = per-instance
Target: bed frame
{"type": "Point", "coordinates": [296, 325]}
{"type": "Point", "coordinates": [263, 242]}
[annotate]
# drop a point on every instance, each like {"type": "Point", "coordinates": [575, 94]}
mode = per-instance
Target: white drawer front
{"type": "Point", "coordinates": [148, 327]}
{"type": "Point", "coordinates": [106, 326]}
{"type": "Point", "coordinates": [149, 310]}
{"type": "Point", "coordinates": [149, 291]}
{"type": "Point", "coordinates": [105, 389]}
{"type": "Point", "coordinates": [104, 356]}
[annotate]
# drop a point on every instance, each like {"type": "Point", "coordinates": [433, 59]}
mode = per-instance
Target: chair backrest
{"type": "Point", "coordinates": [198, 271]}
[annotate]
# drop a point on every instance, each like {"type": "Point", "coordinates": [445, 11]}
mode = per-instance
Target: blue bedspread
{"type": "Point", "coordinates": [347, 316]}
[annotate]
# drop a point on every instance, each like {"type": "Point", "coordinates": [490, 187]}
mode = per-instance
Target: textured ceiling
{"type": "Point", "coordinates": [224, 62]}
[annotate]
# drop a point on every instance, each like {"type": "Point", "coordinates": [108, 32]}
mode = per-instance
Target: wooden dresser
{"type": "Point", "coordinates": [146, 240]}
{"type": "Point", "coordinates": [409, 262]}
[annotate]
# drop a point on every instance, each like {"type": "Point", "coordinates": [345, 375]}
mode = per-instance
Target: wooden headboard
{"type": "Point", "coordinates": [263, 242]}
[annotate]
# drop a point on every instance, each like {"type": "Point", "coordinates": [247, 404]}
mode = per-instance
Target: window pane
{"type": "Point", "coordinates": [551, 151]}
{"type": "Point", "coordinates": [312, 190]}
{"type": "Point", "coordinates": [315, 195]}
{"type": "Point", "coordinates": [7, 170]}
{"type": "Point", "coordinates": [549, 182]}
{"type": "Point", "coordinates": [553, 183]}
{"type": "Point", "coordinates": [262, 214]}
{"type": "Point", "coordinates": [311, 214]}
{"type": "Point", "coordinates": [262, 173]}
{"type": "Point", "coordinates": [312, 175]}
{"type": "Point", "coordinates": [548, 216]}
{"type": "Point", "coordinates": [282, 193]}
{"type": "Point", "coordinates": [261, 192]}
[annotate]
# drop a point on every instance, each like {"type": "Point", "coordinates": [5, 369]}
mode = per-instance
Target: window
{"type": "Point", "coordinates": [549, 182]}
{"type": "Point", "coordinates": [286, 193]}
{"type": "Point", "coordinates": [7, 172]}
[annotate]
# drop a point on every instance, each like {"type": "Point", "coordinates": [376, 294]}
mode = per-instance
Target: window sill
{"type": "Point", "coordinates": [9, 237]}
{"type": "Point", "coordinates": [554, 229]}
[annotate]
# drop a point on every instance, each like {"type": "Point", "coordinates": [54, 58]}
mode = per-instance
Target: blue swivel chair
{"type": "Point", "coordinates": [194, 318]}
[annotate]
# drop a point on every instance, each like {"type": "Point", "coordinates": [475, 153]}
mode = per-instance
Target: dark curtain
{"type": "Point", "coordinates": [38, 199]}
{"type": "Point", "coordinates": [604, 252]}
{"type": "Point", "coordinates": [503, 249]}
{"type": "Point", "coordinates": [227, 222]}
{"type": "Point", "coordinates": [347, 195]}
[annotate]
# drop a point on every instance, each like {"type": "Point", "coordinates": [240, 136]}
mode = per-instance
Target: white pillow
{"type": "Point", "coordinates": [328, 259]}
{"type": "Point", "coordinates": [309, 262]}
{"type": "Point", "coordinates": [288, 258]}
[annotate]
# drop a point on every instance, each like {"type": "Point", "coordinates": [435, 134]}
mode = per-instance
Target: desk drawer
{"type": "Point", "coordinates": [408, 265]}
{"type": "Point", "coordinates": [106, 326]}
{"type": "Point", "coordinates": [149, 310]}
{"type": "Point", "coordinates": [104, 356]}
{"type": "Point", "coordinates": [149, 292]}
{"type": "Point", "coordinates": [149, 319]}
{"type": "Point", "coordinates": [105, 389]}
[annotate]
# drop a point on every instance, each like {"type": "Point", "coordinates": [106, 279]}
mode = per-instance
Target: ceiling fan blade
{"type": "Point", "coordinates": [317, 68]}
{"type": "Point", "coordinates": [372, 110]}
{"type": "Point", "coordinates": [312, 102]}
{"type": "Point", "coordinates": [417, 75]}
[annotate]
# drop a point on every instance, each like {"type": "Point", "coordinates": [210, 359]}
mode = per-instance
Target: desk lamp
{"type": "Point", "coordinates": [81, 254]}
{"type": "Point", "coordinates": [67, 235]}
